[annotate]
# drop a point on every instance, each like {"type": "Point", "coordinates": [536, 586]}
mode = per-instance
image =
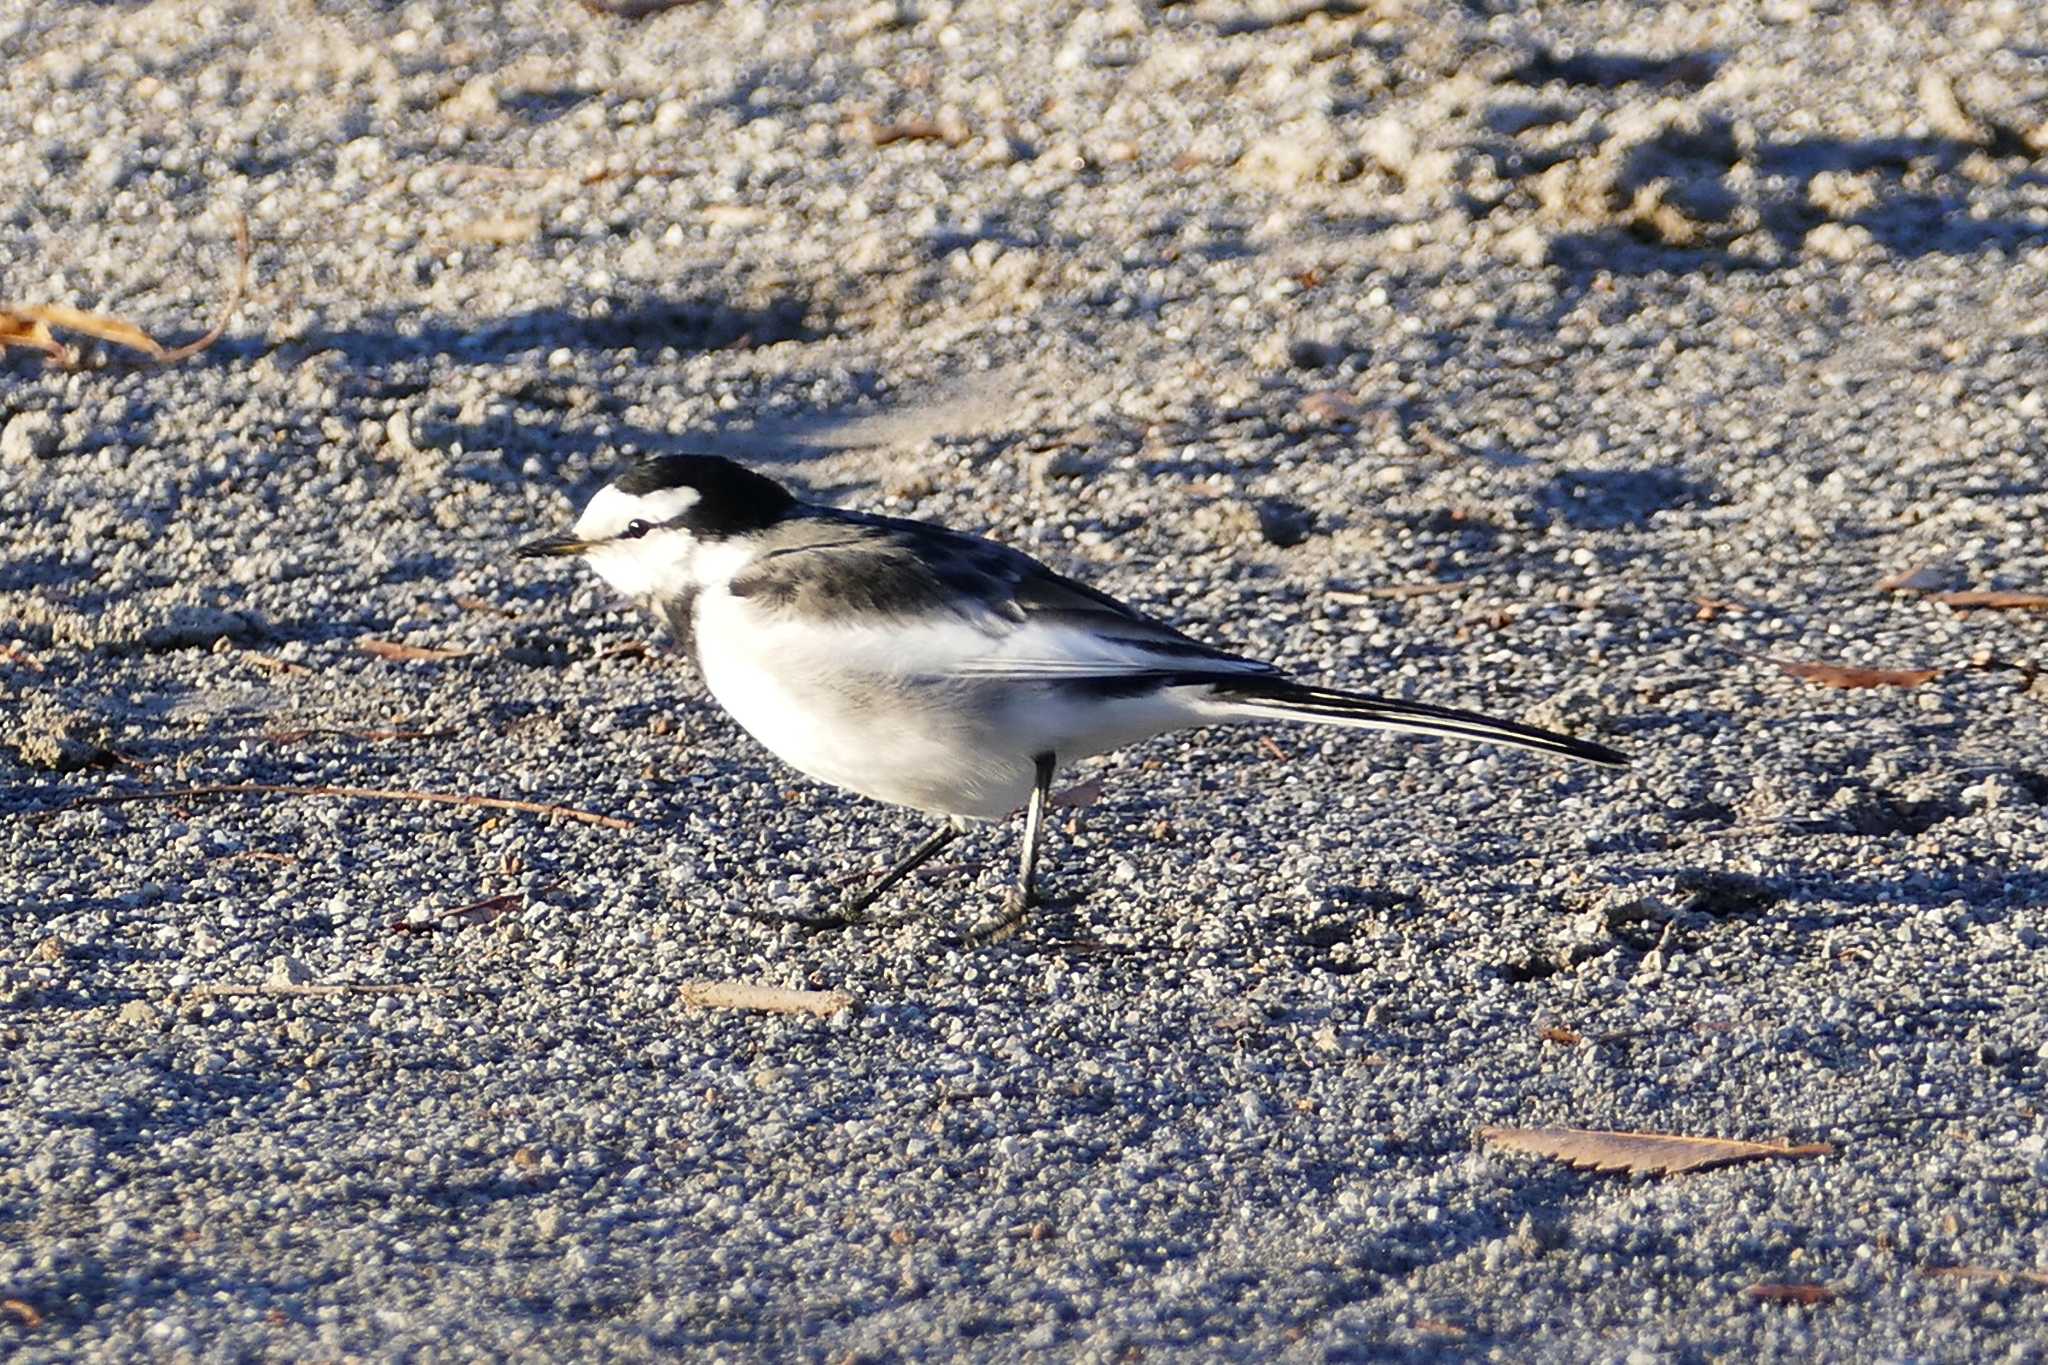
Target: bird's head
{"type": "Point", "coordinates": [644, 532]}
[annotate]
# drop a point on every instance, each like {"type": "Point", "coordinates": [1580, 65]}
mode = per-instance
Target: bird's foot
{"type": "Point", "coordinates": [828, 912]}
{"type": "Point", "coordinates": [815, 922]}
{"type": "Point", "coordinates": [1003, 924]}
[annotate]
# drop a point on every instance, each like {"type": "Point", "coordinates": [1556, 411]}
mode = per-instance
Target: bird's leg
{"type": "Point", "coordinates": [852, 907]}
{"type": "Point", "coordinates": [1024, 894]}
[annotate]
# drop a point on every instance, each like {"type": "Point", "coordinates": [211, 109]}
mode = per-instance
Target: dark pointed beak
{"type": "Point", "coordinates": [553, 547]}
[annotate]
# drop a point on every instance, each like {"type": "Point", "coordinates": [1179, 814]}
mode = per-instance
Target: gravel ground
{"type": "Point", "coordinates": [1575, 364]}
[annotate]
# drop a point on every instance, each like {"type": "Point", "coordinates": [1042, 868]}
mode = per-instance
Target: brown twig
{"type": "Point", "coordinates": [353, 793]}
{"type": "Point", "coordinates": [744, 995]}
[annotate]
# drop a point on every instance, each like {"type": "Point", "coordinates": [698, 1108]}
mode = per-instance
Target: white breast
{"type": "Point", "coordinates": [829, 704]}
{"type": "Point", "coordinates": [867, 708]}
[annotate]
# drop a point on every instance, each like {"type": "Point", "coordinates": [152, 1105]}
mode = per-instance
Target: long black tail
{"type": "Point", "coordinates": [1278, 699]}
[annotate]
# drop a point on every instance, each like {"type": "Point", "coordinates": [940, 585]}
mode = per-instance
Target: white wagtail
{"type": "Point", "coordinates": [927, 668]}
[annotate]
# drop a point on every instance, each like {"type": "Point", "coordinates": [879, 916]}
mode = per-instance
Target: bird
{"type": "Point", "coordinates": [924, 667]}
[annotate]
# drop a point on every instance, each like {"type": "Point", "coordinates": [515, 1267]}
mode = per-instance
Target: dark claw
{"type": "Point", "coordinates": [1002, 925]}
{"type": "Point", "coordinates": [814, 924]}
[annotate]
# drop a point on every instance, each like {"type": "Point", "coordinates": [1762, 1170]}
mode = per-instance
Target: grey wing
{"type": "Point", "coordinates": [1037, 624]}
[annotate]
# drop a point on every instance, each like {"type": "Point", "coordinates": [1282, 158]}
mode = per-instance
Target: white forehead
{"type": "Point", "coordinates": [611, 509]}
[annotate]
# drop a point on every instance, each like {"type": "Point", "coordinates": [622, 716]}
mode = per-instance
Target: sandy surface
{"type": "Point", "coordinates": [1573, 367]}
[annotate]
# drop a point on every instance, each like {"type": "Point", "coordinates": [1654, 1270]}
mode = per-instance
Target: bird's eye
{"type": "Point", "coordinates": [635, 529]}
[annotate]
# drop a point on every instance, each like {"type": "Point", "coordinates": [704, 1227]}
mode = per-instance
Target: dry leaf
{"type": "Point", "coordinates": [1920, 578]}
{"type": "Point", "coordinates": [1991, 600]}
{"type": "Point", "coordinates": [1805, 1295]}
{"type": "Point", "coordinates": [735, 215]}
{"type": "Point", "coordinates": [1080, 794]}
{"type": "Point", "coordinates": [462, 916]}
{"type": "Point", "coordinates": [30, 327]}
{"type": "Point", "coordinates": [97, 325]}
{"type": "Point", "coordinates": [271, 663]}
{"type": "Point", "coordinates": [393, 649]}
{"type": "Point", "coordinates": [23, 1311]}
{"type": "Point", "coordinates": [1328, 407]}
{"type": "Point", "coordinates": [498, 231]}
{"type": "Point", "coordinates": [1844, 675]}
{"type": "Point", "coordinates": [15, 654]}
{"type": "Point", "coordinates": [1640, 1153]}
{"type": "Point", "coordinates": [32, 334]}
{"type": "Point", "coordinates": [1710, 608]}
{"type": "Point", "coordinates": [948, 130]}
{"type": "Point", "coordinates": [1553, 1033]}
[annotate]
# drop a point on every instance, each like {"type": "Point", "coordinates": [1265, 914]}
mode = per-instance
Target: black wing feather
{"type": "Point", "coordinates": [850, 566]}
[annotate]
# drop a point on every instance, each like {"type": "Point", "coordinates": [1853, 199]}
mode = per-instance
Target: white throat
{"type": "Point", "coordinates": [666, 564]}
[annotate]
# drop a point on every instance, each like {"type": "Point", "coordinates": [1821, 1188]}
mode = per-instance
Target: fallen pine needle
{"type": "Point", "coordinates": [356, 794]}
{"type": "Point", "coordinates": [744, 995]}
{"type": "Point", "coordinates": [285, 990]}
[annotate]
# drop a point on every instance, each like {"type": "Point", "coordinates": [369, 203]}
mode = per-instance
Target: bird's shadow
{"type": "Point", "coordinates": [694, 322]}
